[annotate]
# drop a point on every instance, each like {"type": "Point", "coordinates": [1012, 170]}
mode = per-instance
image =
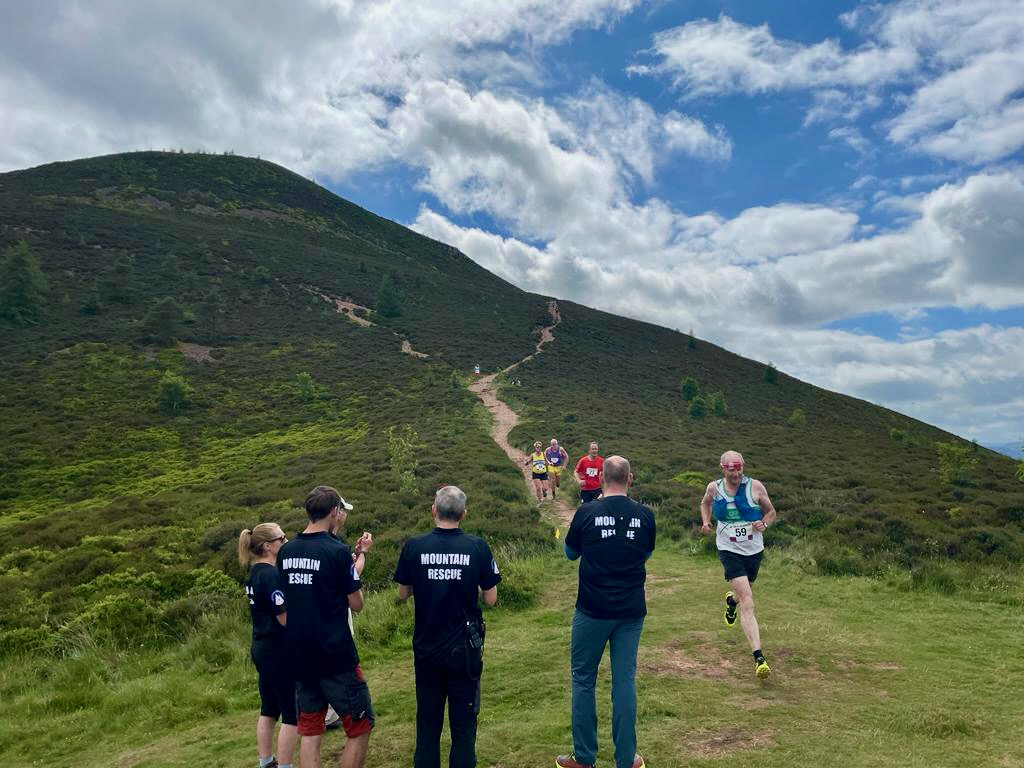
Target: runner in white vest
{"type": "Point", "coordinates": [743, 510]}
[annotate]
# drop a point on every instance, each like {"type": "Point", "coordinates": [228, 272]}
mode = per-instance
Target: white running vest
{"type": "Point", "coordinates": [740, 537]}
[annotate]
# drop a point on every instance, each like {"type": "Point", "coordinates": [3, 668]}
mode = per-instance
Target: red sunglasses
{"type": "Point", "coordinates": [732, 465]}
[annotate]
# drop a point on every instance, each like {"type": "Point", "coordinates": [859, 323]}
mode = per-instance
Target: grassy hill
{"type": "Point", "coordinates": [119, 515]}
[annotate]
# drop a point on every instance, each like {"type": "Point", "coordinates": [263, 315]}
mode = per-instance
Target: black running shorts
{"type": "Point", "coordinates": [588, 496]}
{"type": "Point", "coordinates": [540, 475]}
{"type": "Point", "coordinates": [740, 565]}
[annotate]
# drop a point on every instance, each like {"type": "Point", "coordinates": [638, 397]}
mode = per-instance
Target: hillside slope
{"type": "Point", "coordinates": [117, 512]}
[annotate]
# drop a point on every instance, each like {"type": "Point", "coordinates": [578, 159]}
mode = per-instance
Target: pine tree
{"type": "Point", "coordinates": [23, 286]}
{"type": "Point", "coordinates": [162, 321]}
{"type": "Point", "coordinates": [117, 281]}
{"type": "Point", "coordinates": [389, 300]}
{"type": "Point", "coordinates": [690, 388]}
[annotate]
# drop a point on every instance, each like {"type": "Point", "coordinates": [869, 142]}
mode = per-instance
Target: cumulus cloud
{"type": "Point", "coordinates": [310, 85]}
{"type": "Point", "coordinates": [770, 278]}
{"type": "Point", "coordinates": [963, 61]}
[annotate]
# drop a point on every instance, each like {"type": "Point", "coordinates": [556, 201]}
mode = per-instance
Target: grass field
{"type": "Point", "coordinates": [867, 672]}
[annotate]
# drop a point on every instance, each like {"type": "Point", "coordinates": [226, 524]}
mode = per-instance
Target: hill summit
{"type": "Point", "coordinates": [191, 374]}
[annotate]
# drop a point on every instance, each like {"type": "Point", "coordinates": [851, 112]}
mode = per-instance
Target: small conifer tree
{"type": "Point", "coordinates": [771, 374]}
{"type": "Point", "coordinates": [163, 321]}
{"type": "Point", "coordinates": [690, 388]}
{"type": "Point", "coordinates": [389, 300]}
{"type": "Point", "coordinates": [698, 407]}
{"type": "Point", "coordinates": [23, 286]}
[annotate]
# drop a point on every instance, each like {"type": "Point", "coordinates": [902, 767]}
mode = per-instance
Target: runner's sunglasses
{"type": "Point", "coordinates": [732, 465]}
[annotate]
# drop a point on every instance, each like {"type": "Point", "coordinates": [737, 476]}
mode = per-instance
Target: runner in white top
{"type": "Point", "coordinates": [743, 510]}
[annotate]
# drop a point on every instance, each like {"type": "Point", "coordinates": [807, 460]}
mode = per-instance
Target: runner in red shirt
{"type": "Point", "coordinates": [589, 471]}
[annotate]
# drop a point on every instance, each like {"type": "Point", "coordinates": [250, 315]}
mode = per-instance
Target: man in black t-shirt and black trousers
{"type": "Point", "coordinates": [445, 570]}
{"type": "Point", "coordinates": [321, 583]}
{"type": "Point", "coordinates": [613, 537]}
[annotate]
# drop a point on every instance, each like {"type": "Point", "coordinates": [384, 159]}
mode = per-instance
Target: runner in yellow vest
{"type": "Point", "coordinates": [538, 465]}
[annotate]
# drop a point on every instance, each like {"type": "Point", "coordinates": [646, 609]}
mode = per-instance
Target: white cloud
{"type": "Point", "coordinates": [964, 62]}
{"type": "Point", "coordinates": [769, 278]}
{"type": "Point", "coordinates": [309, 85]}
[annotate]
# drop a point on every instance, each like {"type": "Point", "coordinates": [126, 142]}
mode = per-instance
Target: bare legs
{"type": "Point", "coordinates": [745, 598]}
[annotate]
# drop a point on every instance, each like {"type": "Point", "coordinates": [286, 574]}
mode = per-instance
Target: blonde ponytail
{"type": "Point", "coordinates": [252, 542]}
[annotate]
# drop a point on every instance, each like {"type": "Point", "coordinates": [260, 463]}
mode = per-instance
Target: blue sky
{"type": "Point", "coordinates": [835, 187]}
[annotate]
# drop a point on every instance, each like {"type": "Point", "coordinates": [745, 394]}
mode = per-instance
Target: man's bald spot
{"type": "Point", "coordinates": [616, 470]}
{"type": "Point", "coordinates": [731, 457]}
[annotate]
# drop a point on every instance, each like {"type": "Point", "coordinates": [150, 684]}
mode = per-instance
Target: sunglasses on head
{"type": "Point", "coordinates": [732, 465]}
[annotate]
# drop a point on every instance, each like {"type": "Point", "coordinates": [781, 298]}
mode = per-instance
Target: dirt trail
{"type": "Point", "coordinates": [484, 388]}
{"type": "Point", "coordinates": [505, 418]}
{"type": "Point", "coordinates": [348, 308]}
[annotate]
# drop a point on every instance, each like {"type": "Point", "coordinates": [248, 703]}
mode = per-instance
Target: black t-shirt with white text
{"type": "Point", "coordinates": [444, 568]}
{"type": "Point", "coordinates": [318, 576]}
{"type": "Point", "coordinates": [614, 536]}
{"type": "Point", "coordinates": [266, 603]}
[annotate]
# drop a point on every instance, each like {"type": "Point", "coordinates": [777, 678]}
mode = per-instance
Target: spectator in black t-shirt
{"type": "Point", "coordinates": [445, 571]}
{"type": "Point", "coordinates": [257, 552]}
{"type": "Point", "coordinates": [321, 583]}
{"type": "Point", "coordinates": [612, 537]}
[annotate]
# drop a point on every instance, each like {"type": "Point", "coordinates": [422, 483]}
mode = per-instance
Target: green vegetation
{"type": "Point", "coordinates": [23, 287]}
{"type": "Point", "coordinates": [956, 463]}
{"type": "Point", "coordinates": [857, 640]}
{"type": "Point", "coordinates": [698, 407]}
{"type": "Point", "coordinates": [389, 301]}
{"type": "Point", "coordinates": [797, 418]}
{"type": "Point", "coordinates": [128, 470]}
{"type": "Point", "coordinates": [771, 373]}
{"type": "Point", "coordinates": [162, 322]}
{"type": "Point", "coordinates": [690, 388]}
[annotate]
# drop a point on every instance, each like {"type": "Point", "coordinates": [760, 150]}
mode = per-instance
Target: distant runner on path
{"type": "Point", "coordinates": [743, 510]}
{"type": "Point", "coordinates": [557, 458]}
{"type": "Point", "coordinates": [589, 471]}
{"type": "Point", "coordinates": [538, 465]}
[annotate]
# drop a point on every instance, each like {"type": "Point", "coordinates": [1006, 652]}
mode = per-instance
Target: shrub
{"type": "Point", "coordinates": [306, 387]}
{"type": "Point", "coordinates": [118, 620]}
{"type": "Point", "coordinates": [23, 287]}
{"type": "Point", "coordinates": [698, 407]}
{"type": "Point", "coordinates": [797, 418]}
{"type": "Point", "coordinates": [163, 320]}
{"type": "Point", "coordinates": [955, 462]}
{"type": "Point", "coordinates": [690, 388]}
{"type": "Point", "coordinates": [91, 303]}
{"type": "Point", "coordinates": [718, 405]}
{"type": "Point", "coordinates": [117, 281]}
{"type": "Point", "coordinates": [389, 300]}
{"type": "Point", "coordinates": [174, 394]}
{"type": "Point", "coordinates": [897, 435]}
{"type": "Point", "coordinates": [692, 479]}
{"type": "Point", "coordinates": [25, 641]}
{"type": "Point", "coordinates": [771, 374]}
{"type": "Point", "coordinates": [402, 450]}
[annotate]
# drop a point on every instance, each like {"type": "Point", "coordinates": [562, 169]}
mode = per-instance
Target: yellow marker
{"type": "Point", "coordinates": [556, 533]}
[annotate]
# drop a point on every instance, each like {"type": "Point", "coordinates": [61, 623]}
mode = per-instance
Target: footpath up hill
{"type": "Point", "coordinates": [187, 378]}
{"type": "Point", "coordinates": [284, 392]}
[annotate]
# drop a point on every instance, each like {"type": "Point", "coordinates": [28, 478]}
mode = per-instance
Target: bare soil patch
{"type": "Point", "coordinates": [729, 742]}
{"type": "Point", "coordinates": [196, 352]}
{"type": "Point", "coordinates": [687, 659]}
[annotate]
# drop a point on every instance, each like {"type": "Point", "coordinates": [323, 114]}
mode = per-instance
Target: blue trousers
{"type": "Point", "coordinates": [589, 638]}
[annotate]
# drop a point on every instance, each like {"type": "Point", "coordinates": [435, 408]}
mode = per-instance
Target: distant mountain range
{"type": "Point", "coordinates": [1013, 449]}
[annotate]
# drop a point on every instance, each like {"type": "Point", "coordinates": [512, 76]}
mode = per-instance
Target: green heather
{"type": "Point", "coordinates": [172, 374]}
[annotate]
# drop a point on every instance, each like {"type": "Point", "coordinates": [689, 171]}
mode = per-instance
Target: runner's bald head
{"type": "Point", "coordinates": [616, 471]}
{"type": "Point", "coordinates": [731, 457]}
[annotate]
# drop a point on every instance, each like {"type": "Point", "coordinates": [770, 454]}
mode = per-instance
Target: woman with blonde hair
{"type": "Point", "coordinates": [257, 552]}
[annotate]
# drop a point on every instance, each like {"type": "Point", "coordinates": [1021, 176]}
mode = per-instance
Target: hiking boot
{"type": "Point", "coordinates": [730, 609]}
{"type": "Point", "coordinates": [569, 761]}
{"type": "Point", "coordinates": [761, 668]}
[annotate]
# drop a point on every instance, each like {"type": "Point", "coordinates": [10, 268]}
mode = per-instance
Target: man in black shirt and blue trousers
{"type": "Point", "coordinates": [612, 537]}
{"type": "Point", "coordinates": [446, 571]}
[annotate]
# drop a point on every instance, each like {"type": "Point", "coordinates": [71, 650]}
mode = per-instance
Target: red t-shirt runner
{"type": "Point", "coordinates": [590, 469]}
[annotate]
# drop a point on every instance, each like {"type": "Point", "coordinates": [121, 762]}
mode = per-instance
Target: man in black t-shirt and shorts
{"type": "Point", "coordinates": [321, 583]}
{"type": "Point", "coordinates": [446, 571]}
{"type": "Point", "coordinates": [612, 537]}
